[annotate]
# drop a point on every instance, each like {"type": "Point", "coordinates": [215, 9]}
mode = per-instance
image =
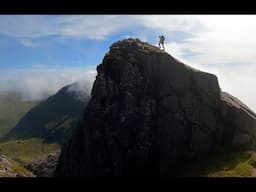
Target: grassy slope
{"type": "Point", "coordinates": [24, 151]}
{"type": "Point", "coordinates": [230, 164]}
{"type": "Point", "coordinates": [41, 121]}
{"type": "Point", "coordinates": [13, 169]}
{"type": "Point", "coordinates": [12, 108]}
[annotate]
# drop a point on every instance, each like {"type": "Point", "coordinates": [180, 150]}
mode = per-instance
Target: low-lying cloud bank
{"type": "Point", "coordinates": [40, 82]}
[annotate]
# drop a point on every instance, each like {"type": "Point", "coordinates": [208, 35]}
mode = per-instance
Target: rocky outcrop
{"type": "Point", "coordinates": [10, 168]}
{"type": "Point", "coordinates": [238, 121]}
{"type": "Point", "coordinates": [148, 113]}
{"type": "Point", "coordinates": [44, 166]}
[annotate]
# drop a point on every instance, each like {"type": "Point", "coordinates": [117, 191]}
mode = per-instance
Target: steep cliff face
{"type": "Point", "coordinates": [148, 112]}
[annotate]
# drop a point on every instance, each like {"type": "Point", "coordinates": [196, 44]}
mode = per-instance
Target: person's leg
{"type": "Point", "coordinates": [163, 46]}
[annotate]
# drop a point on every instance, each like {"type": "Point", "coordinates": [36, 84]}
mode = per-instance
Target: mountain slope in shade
{"type": "Point", "coordinates": [12, 109]}
{"type": "Point", "coordinates": [53, 119]}
{"type": "Point", "coordinates": [149, 113]}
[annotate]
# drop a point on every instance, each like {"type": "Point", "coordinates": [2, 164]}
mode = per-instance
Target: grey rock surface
{"type": "Point", "coordinates": [149, 112]}
{"type": "Point", "coordinates": [44, 166]}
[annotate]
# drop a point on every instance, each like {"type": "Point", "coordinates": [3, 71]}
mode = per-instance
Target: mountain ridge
{"type": "Point", "coordinates": [12, 108]}
{"type": "Point", "coordinates": [52, 118]}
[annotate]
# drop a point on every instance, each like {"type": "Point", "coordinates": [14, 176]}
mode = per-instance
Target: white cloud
{"type": "Point", "coordinates": [171, 23]}
{"type": "Point", "coordinates": [239, 80]}
{"type": "Point", "coordinates": [224, 40]}
{"type": "Point", "coordinates": [29, 43]}
{"type": "Point", "coordinates": [40, 82]}
{"type": "Point", "coordinates": [175, 49]}
{"type": "Point", "coordinates": [27, 26]}
{"type": "Point", "coordinates": [81, 89]}
{"type": "Point", "coordinates": [94, 27]}
{"type": "Point", "coordinates": [221, 44]}
{"type": "Point", "coordinates": [217, 39]}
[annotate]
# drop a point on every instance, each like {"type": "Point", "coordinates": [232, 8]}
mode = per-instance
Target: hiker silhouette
{"type": "Point", "coordinates": [161, 41]}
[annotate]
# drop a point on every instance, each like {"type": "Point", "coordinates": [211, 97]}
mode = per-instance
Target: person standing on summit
{"type": "Point", "coordinates": [161, 42]}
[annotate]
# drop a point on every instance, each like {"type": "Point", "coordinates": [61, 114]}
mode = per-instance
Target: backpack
{"type": "Point", "coordinates": [162, 38]}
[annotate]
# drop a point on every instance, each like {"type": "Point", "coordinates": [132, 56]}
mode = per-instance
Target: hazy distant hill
{"type": "Point", "coordinates": [53, 119]}
{"type": "Point", "coordinates": [12, 108]}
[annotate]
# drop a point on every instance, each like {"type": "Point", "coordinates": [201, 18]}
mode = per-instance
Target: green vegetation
{"type": "Point", "coordinates": [149, 48]}
{"type": "Point", "coordinates": [64, 123]}
{"type": "Point", "coordinates": [53, 119]}
{"type": "Point", "coordinates": [20, 169]}
{"type": "Point", "coordinates": [231, 164]}
{"type": "Point", "coordinates": [10, 168]}
{"type": "Point", "coordinates": [29, 130]}
{"type": "Point", "coordinates": [12, 108]}
{"type": "Point", "coordinates": [24, 151]}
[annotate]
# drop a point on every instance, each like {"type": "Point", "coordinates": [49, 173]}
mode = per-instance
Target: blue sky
{"type": "Point", "coordinates": [51, 52]}
{"type": "Point", "coordinates": [41, 53]}
{"type": "Point", "coordinates": [26, 41]}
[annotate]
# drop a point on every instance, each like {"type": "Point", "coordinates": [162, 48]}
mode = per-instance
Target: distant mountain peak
{"type": "Point", "coordinates": [53, 119]}
{"type": "Point", "coordinates": [79, 90]}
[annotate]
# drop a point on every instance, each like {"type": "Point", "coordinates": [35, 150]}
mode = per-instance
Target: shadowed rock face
{"type": "Point", "coordinates": [45, 165]}
{"type": "Point", "coordinates": [148, 112]}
